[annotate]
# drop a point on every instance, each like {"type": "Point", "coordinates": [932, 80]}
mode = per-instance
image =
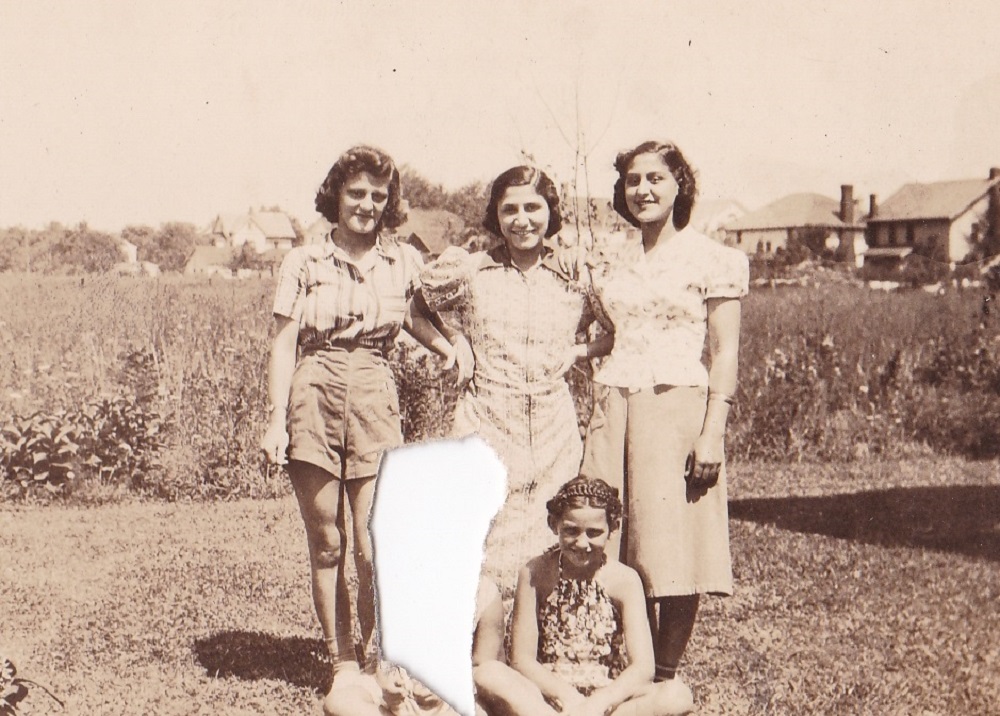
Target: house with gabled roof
{"type": "Point", "coordinates": [430, 231]}
{"type": "Point", "coordinates": [261, 229]}
{"type": "Point", "coordinates": [210, 261]}
{"type": "Point", "coordinates": [779, 223]}
{"type": "Point", "coordinates": [317, 232]}
{"type": "Point", "coordinates": [710, 216]}
{"type": "Point", "coordinates": [941, 220]}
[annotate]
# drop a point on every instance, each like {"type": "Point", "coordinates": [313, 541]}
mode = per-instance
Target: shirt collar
{"type": "Point", "coordinates": [385, 246]}
{"type": "Point", "coordinates": [499, 257]}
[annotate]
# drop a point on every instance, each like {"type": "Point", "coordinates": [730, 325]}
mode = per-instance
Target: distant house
{"type": "Point", "coordinates": [774, 226]}
{"type": "Point", "coordinates": [261, 229]}
{"type": "Point", "coordinates": [430, 230]}
{"type": "Point", "coordinates": [940, 220]}
{"type": "Point", "coordinates": [210, 261]}
{"type": "Point", "coordinates": [317, 232]}
{"type": "Point", "coordinates": [711, 216]}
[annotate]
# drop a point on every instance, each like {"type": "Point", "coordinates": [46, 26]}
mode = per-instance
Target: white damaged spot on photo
{"type": "Point", "coordinates": [432, 511]}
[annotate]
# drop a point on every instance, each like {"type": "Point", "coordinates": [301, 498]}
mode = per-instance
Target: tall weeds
{"type": "Point", "coordinates": [832, 373]}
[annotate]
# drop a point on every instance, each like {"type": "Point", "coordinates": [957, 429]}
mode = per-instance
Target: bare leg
{"type": "Point", "coordinates": [505, 692]}
{"type": "Point", "coordinates": [670, 698]}
{"type": "Point", "coordinates": [671, 629]}
{"type": "Point", "coordinates": [319, 498]}
{"type": "Point", "coordinates": [361, 493]}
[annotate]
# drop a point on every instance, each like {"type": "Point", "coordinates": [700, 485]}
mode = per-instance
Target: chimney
{"type": "Point", "coordinates": [847, 203]}
{"type": "Point", "coordinates": [872, 206]}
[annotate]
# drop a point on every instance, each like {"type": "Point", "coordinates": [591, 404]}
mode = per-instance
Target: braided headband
{"type": "Point", "coordinates": [593, 488]}
{"type": "Point", "coordinates": [588, 488]}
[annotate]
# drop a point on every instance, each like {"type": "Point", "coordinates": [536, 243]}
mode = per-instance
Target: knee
{"type": "Point", "coordinates": [488, 676]}
{"type": "Point", "coordinates": [327, 548]}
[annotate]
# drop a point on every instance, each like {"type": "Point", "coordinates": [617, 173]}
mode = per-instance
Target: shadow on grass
{"type": "Point", "coordinates": [252, 656]}
{"type": "Point", "coordinates": [964, 519]}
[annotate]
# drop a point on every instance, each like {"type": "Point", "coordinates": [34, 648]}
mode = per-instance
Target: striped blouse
{"type": "Point", "coordinates": [339, 302]}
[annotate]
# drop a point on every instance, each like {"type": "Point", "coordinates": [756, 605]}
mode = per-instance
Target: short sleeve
{"type": "Point", "coordinates": [445, 281]}
{"type": "Point", "coordinates": [290, 292]}
{"type": "Point", "coordinates": [593, 308]}
{"type": "Point", "coordinates": [413, 266]}
{"type": "Point", "coordinates": [728, 274]}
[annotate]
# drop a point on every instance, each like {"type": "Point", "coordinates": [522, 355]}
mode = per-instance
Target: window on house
{"type": "Point", "coordinates": [768, 248]}
{"type": "Point", "coordinates": [910, 234]}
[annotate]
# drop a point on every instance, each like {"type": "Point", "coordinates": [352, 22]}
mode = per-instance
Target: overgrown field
{"type": "Point", "coordinates": [868, 589]}
{"type": "Point", "coordinates": [157, 387]}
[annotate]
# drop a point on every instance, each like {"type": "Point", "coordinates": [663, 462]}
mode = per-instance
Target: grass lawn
{"type": "Point", "coordinates": [861, 589]}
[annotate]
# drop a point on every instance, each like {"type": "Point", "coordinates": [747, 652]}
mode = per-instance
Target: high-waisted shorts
{"type": "Point", "coordinates": [343, 411]}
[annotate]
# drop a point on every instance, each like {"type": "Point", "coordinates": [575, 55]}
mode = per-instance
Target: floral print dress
{"type": "Point", "coordinates": [580, 634]}
{"type": "Point", "coordinates": [520, 325]}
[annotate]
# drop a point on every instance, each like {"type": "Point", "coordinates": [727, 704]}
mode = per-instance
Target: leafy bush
{"type": "Point", "coordinates": [114, 441]}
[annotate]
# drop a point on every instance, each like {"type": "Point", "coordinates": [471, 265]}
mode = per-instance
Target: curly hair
{"type": "Point", "coordinates": [682, 172]}
{"type": "Point", "coordinates": [350, 164]}
{"type": "Point", "coordinates": [587, 492]}
{"type": "Point", "coordinates": [523, 176]}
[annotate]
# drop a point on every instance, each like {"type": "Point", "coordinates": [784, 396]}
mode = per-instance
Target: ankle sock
{"type": "Point", "coordinates": [664, 673]}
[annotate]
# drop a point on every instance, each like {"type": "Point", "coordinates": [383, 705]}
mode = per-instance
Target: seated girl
{"type": "Point", "coordinates": [580, 635]}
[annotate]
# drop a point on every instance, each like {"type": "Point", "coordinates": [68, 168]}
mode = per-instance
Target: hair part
{"type": "Point", "coordinates": [587, 492]}
{"type": "Point", "coordinates": [680, 169]}
{"type": "Point", "coordinates": [523, 176]}
{"type": "Point", "coordinates": [358, 159]}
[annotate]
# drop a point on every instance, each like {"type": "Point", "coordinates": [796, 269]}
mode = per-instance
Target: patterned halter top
{"type": "Point", "coordinates": [580, 634]}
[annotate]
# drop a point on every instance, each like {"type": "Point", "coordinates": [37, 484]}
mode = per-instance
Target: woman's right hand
{"type": "Point", "coordinates": [275, 443]}
{"type": "Point", "coordinates": [570, 259]}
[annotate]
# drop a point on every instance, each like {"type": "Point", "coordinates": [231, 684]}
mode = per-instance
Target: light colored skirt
{"type": "Point", "coordinates": [676, 538]}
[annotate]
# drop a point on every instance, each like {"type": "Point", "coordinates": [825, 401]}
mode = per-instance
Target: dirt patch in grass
{"type": "Point", "coordinates": [866, 589]}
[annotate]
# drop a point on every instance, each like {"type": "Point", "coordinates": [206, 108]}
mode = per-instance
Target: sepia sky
{"type": "Point", "coordinates": [116, 112]}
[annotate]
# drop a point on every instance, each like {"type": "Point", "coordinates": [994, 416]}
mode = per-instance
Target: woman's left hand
{"type": "Point", "coordinates": [705, 462]}
{"type": "Point", "coordinates": [570, 357]}
{"type": "Point", "coordinates": [464, 358]}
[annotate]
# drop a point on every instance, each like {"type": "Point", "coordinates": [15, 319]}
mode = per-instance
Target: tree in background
{"type": "Point", "coordinates": [468, 203]}
{"type": "Point", "coordinates": [83, 250]}
{"type": "Point", "coordinates": [248, 258]}
{"type": "Point", "coordinates": [171, 246]}
{"type": "Point", "coordinates": [419, 191]}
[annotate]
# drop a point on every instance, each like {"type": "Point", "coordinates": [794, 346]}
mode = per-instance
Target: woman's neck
{"type": "Point", "coordinates": [355, 245]}
{"type": "Point", "coordinates": [525, 260]}
{"type": "Point", "coordinates": [657, 233]}
{"type": "Point", "coordinates": [581, 574]}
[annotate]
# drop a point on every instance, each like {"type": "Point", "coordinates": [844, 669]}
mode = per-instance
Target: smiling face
{"type": "Point", "coordinates": [363, 198]}
{"type": "Point", "coordinates": [583, 534]}
{"type": "Point", "coordinates": [650, 189]}
{"type": "Point", "coordinates": [523, 215]}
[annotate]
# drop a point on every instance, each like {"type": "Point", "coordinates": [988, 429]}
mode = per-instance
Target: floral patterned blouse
{"type": "Point", "coordinates": [580, 634]}
{"type": "Point", "coordinates": [658, 303]}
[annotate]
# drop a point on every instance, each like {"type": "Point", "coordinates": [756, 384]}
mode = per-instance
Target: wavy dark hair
{"type": "Point", "coordinates": [680, 169]}
{"type": "Point", "coordinates": [587, 492]}
{"type": "Point", "coordinates": [523, 176]}
{"type": "Point", "coordinates": [351, 163]}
